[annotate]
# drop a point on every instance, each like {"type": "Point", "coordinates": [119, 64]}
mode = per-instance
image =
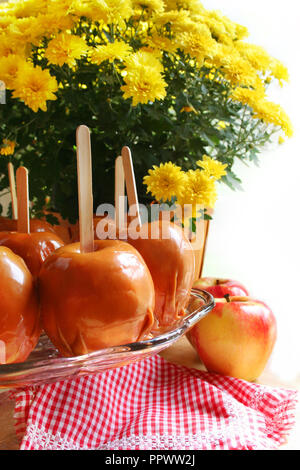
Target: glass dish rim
{"type": "Point", "coordinates": [150, 344]}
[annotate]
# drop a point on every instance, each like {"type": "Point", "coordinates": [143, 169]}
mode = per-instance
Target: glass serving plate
{"type": "Point", "coordinates": [45, 365]}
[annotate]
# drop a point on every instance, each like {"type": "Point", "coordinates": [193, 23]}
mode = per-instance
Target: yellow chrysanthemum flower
{"type": "Point", "coordinates": [7, 147]}
{"type": "Point", "coordinates": [143, 79]}
{"type": "Point", "coordinates": [247, 95]}
{"type": "Point", "coordinates": [112, 51]}
{"type": "Point", "coordinates": [155, 6]}
{"type": "Point", "coordinates": [161, 43]}
{"type": "Point", "coordinates": [111, 11]}
{"type": "Point", "coordinates": [256, 55]}
{"type": "Point", "coordinates": [25, 30]}
{"type": "Point", "coordinates": [279, 71]}
{"type": "Point", "coordinates": [199, 190]}
{"type": "Point", "coordinates": [53, 23]}
{"type": "Point", "coordinates": [65, 49]}
{"type": "Point", "coordinates": [191, 5]}
{"type": "Point", "coordinates": [9, 67]}
{"type": "Point", "coordinates": [27, 8]}
{"type": "Point", "coordinates": [178, 21]}
{"type": "Point", "coordinates": [143, 59]}
{"type": "Point", "coordinates": [165, 181]}
{"type": "Point", "coordinates": [237, 70]}
{"type": "Point", "coordinates": [274, 114]}
{"type": "Point", "coordinates": [5, 22]}
{"type": "Point", "coordinates": [9, 45]}
{"type": "Point", "coordinates": [212, 168]}
{"type": "Point", "coordinates": [35, 87]}
{"type": "Point", "coordinates": [199, 45]}
{"type": "Point", "coordinates": [268, 111]}
{"type": "Point", "coordinates": [144, 84]}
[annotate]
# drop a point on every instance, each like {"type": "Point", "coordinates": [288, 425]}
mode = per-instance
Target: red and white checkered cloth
{"type": "Point", "coordinates": [154, 405]}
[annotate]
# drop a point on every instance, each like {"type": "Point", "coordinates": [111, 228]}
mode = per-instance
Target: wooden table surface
{"type": "Point", "coordinates": [180, 353]}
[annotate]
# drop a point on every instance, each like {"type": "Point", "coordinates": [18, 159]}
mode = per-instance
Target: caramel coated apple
{"type": "Point", "coordinates": [171, 262]}
{"type": "Point", "coordinates": [19, 310]}
{"type": "Point", "coordinates": [96, 300]}
{"type": "Point", "coordinates": [34, 248]}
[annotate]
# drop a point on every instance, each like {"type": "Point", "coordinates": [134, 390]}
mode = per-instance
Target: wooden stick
{"type": "Point", "coordinates": [119, 193]}
{"type": "Point", "coordinates": [85, 192]}
{"type": "Point", "coordinates": [23, 200]}
{"type": "Point", "coordinates": [12, 185]}
{"type": "Point", "coordinates": [130, 181]}
{"type": "Point", "coordinates": [204, 248]}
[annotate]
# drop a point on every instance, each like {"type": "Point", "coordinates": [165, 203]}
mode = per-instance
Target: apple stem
{"type": "Point", "coordinates": [217, 282]}
{"type": "Point", "coordinates": [227, 297]}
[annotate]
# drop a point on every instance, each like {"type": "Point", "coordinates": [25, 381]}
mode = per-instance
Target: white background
{"type": "Point", "coordinates": [255, 234]}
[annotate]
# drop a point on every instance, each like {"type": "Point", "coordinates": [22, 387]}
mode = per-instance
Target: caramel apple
{"type": "Point", "coordinates": [98, 299]}
{"type": "Point", "coordinates": [34, 248]}
{"type": "Point", "coordinates": [167, 253]}
{"type": "Point", "coordinates": [19, 310]}
{"type": "Point", "coordinates": [171, 262]}
{"type": "Point", "coordinates": [11, 225]}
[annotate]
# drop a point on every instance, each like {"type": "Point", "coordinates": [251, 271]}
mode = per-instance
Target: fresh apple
{"type": "Point", "coordinates": [220, 287]}
{"type": "Point", "coordinates": [19, 309]}
{"type": "Point", "coordinates": [236, 338]}
{"type": "Point", "coordinates": [32, 247]}
{"type": "Point", "coordinates": [96, 300]}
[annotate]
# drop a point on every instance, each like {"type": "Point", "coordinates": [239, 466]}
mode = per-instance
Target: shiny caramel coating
{"type": "Point", "coordinates": [171, 262]}
{"type": "Point", "coordinates": [96, 300]}
{"type": "Point", "coordinates": [34, 248]}
{"type": "Point", "coordinates": [20, 325]}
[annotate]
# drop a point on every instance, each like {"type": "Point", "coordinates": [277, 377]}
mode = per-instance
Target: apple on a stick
{"type": "Point", "coordinates": [97, 293]}
{"type": "Point", "coordinates": [167, 253]}
{"type": "Point", "coordinates": [20, 326]}
{"type": "Point", "coordinates": [32, 247]}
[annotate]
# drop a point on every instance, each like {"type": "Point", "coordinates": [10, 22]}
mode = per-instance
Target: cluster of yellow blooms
{"type": "Point", "coordinates": [168, 182]}
{"type": "Point", "coordinates": [164, 26]}
{"type": "Point", "coordinates": [7, 147]}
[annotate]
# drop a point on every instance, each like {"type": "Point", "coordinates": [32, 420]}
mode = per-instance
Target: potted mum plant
{"type": "Point", "coordinates": [176, 82]}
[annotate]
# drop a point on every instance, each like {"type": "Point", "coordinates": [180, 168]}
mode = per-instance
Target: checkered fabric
{"type": "Point", "coordinates": [153, 405]}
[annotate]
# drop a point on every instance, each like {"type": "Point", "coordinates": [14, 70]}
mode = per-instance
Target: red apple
{"type": "Point", "coordinates": [96, 300]}
{"type": "Point", "coordinates": [19, 309]}
{"type": "Point", "coordinates": [220, 287]}
{"type": "Point", "coordinates": [236, 338]}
